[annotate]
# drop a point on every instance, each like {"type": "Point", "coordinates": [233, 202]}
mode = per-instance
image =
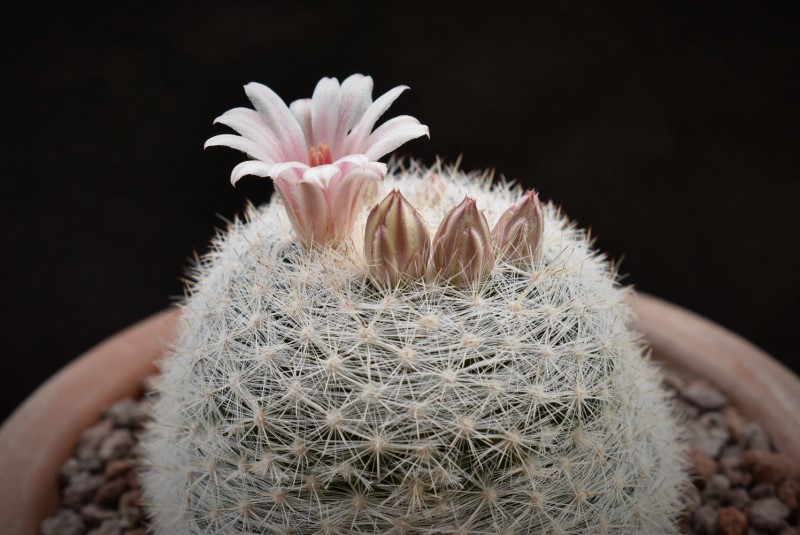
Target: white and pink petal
{"type": "Point", "coordinates": [392, 134]}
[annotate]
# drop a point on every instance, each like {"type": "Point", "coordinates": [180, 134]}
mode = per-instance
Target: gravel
{"type": "Point", "coordinates": [740, 484]}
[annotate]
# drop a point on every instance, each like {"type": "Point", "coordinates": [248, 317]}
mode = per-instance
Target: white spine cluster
{"type": "Point", "coordinates": [303, 399]}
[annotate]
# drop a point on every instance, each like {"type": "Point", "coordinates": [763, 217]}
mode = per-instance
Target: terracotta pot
{"type": "Point", "coordinates": [39, 437]}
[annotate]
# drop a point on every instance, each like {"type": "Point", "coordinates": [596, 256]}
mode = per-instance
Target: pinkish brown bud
{"type": "Point", "coordinates": [397, 243]}
{"type": "Point", "coordinates": [518, 233]}
{"type": "Point", "coordinates": [462, 247]}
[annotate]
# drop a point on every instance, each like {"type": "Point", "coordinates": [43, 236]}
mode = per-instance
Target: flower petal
{"type": "Point", "coordinates": [312, 211]}
{"type": "Point", "coordinates": [325, 176]}
{"type": "Point", "coordinates": [357, 138]}
{"type": "Point", "coordinates": [353, 161]}
{"type": "Point", "coordinates": [250, 167]}
{"type": "Point", "coordinates": [252, 126]}
{"type": "Point", "coordinates": [325, 104]}
{"type": "Point", "coordinates": [347, 197]}
{"type": "Point", "coordinates": [286, 190]}
{"type": "Point", "coordinates": [243, 144]}
{"type": "Point", "coordinates": [301, 109]}
{"type": "Point", "coordinates": [356, 98]}
{"type": "Point", "coordinates": [280, 120]}
{"type": "Point", "coordinates": [291, 171]}
{"type": "Point", "coordinates": [392, 134]}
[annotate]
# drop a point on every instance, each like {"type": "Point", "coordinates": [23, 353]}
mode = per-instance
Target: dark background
{"type": "Point", "coordinates": [670, 130]}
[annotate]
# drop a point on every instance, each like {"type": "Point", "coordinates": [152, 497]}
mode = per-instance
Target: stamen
{"type": "Point", "coordinates": [320, 155]}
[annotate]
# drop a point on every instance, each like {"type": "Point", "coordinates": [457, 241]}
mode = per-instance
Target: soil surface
{"type": "Point", "coordinates": [740, 484]}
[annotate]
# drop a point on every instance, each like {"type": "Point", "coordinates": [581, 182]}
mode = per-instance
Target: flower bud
{"type": "Point", "coordinates": [462, 247]}
{"type": "Point", "coordinates": [518, 233]}
{"type": "Point", "coordinates": [396, 241]}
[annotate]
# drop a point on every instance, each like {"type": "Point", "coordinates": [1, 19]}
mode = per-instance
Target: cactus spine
{"type": "Point", "coordinates": [303, 398]}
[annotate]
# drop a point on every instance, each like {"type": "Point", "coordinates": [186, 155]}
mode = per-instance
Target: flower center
{"type": "Point", "coordinates": [320, 155]}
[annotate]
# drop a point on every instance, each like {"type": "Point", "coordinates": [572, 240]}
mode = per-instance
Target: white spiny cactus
{"type": "Point", "coordinates": [303, 398]}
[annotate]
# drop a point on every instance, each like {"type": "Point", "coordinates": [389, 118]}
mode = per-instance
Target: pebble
{"type": "Point", "coordinates": [81, 489]}
{"type": "Point", "coordinates": [787, 492]}
{"type": "Point", "coordinates": [108, 527]}
{"type": "Point", "coordinates": [735, 423]}
{"type": "Point", "coordinates": [130, 508]}
{"type": "Point", "coordinates": [702, 465]}
{"type": "Point", "coordinates": [768, 514]}
{"type": "Point", "coordinates": [116, 445]}
{"type": "Point", "coordinates": [754, 437]}
{"type": "Point", "coordinates": [717, 487]}
{"type": "Point", "coordinates": [709, 434]}
{"type": "Point", "coordinates": [732, 521]}
{"type": "Point", "coordinates": [65, 522]}
{"type": "Point", "coordinates": [738, 498]}
{"type": "Point", "coordinates": [762, 490]}
{"type": "Point", "coordinates": [769, 467]}
{"type": "Point", "coordinates": [705, 520]}
{"type": "Point", "coordinates": [128, 413]}
{"type": "Point", "coordinates": [118, 468]}
{"type": "Point", "coordinates": [703, 395]}
{"type": "Point", "coordinates": [99, 484]}
{"type": "Point", "coordinates": [108, 494]}
{"type": "Point", "coordinates": [94, 515]}
{"type": "Point", "coordinates": [92, 438]}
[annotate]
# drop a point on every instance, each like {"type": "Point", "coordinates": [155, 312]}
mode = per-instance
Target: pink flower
{"type": "Point", "coordinates": [320, 152]}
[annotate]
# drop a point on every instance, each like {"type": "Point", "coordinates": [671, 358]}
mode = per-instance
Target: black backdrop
{"type": "Point", "coordinates": [670, 130]}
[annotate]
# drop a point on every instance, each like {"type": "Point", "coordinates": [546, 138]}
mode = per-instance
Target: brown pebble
{"type": "Point", "coordinates": [108, 494]}
{"type": "Point", "coordinates": [116, 445]}
{"type": "Point", "coordinates": [118, 467]}
{"type": "Point", "coordinates": [702, 465]}
{"type": "Point", "coordinates": [734, 422]}
{"type": "Point", "coordinates": [787, 493]}
{"type": "Point", "coordinates": [137, 531]}
{"type": "Point", "coordinates": [95, 515]}
{"type": "Point", "coordinates": [768, 467]}
{"type": "Point", "coordinates": [768, 514]}
{"type": "Point", "coordinates": [731, 521]}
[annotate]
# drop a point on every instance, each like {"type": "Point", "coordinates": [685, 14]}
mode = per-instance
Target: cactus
{"type": "Point", "coordinates": [331, 381]}
{"type": "Point", "coordinates": [302, 397]}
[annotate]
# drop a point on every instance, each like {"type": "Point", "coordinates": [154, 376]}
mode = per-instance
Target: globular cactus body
{"type": "Point", "coordinates": [304, 398]}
